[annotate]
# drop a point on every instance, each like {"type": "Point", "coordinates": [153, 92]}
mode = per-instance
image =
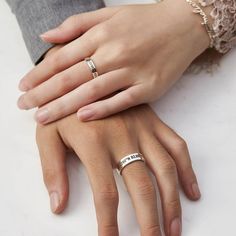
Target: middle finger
{"type": "Point", "coordinates": [100, 173]}
{"type": "Point", "coordinates": [89, 92]}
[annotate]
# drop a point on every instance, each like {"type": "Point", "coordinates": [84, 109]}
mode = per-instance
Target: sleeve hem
{"type": "Point", "coordinates": [36, 17]}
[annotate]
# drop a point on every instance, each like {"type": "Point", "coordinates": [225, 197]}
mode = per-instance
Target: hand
{"type": "Point", "coordinates": [100, 145]}
{"type": "Point", "coordinates": [139, 50]}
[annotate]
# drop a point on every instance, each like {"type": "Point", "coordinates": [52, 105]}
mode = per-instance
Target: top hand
{"type": "Point", "coordinates": [139, 50]}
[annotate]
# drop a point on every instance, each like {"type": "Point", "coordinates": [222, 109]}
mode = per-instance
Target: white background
{"type": "Point", "coordinates": [201, 108]}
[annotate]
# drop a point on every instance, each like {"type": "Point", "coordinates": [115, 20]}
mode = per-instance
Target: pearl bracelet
{"type": "Point", "coordinates": [198, 10]}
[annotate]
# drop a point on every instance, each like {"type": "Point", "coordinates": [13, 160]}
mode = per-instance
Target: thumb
{"type": "Point", "coordinates": [76, 25]}
{"type": "Point", "coordinates": [52, 155]}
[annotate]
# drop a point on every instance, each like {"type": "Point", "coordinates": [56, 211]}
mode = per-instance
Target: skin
{"type": "Point", "coordinates": [166, 156]}
{"type": "Point", "coordinates": [132, 58]}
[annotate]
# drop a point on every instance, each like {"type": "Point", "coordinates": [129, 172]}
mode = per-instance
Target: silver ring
{"type": "Point", "coordinates": [92, 67]}
{"type": "Point", "coordinates": [128, 160]}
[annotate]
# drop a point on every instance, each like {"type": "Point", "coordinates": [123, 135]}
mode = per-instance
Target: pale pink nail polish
{"type": "Point", "coordinates": [49, 33]}
{"type": "Point", "coordinates": [196, 191]}
{"type": "Point", "coordinates": [23, 87]}
{"type": "Point", "coordinates": [21, 104]}
{"type": "Point", "coordinates": [176, 228]}
{"type": "Point", "coordinates": [54, 201]}
{"type": "Point", "coordinates": [42, 115]}
{"type": "Point", "coordinates": [85, 114]}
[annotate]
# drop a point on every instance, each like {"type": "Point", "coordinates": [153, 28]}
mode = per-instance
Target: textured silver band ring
{"type": "Point", "coordinates": [92, 67]}
{"type": "Point", "coordinates": [128, 160]}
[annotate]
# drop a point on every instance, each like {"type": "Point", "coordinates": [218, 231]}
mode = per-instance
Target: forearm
{"type": "Point", "coordinates": [35, 17]}
{"type": "Point", "coordinates": [222, 19]}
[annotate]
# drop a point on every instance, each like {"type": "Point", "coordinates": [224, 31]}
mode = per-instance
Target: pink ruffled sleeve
{"type": "Point", "coordinates": [224, 23]}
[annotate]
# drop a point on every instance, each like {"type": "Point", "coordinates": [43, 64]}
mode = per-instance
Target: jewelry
{"type": "Point", "coordinates": [92, 67]}
{"type": "Point", "coordinates": [128, 160]}
{"type": "Point", "coordinates": [198, 10]}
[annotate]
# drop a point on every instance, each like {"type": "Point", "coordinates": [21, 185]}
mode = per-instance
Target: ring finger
{"type": "Point", "coordinates": [104, 188]}
{"type": "Point", "coordinates": [143, 195]}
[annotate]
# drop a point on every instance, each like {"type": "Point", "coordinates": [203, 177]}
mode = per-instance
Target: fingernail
{"type": "Point", "coordinates": [196, 191]}
{"type": "Point", "coordinates": [23, 87]}
{"type": "Point", "coordinates": [176, 228]}
{"type": "Point", "coordinates": [85, 114]}
{"type": "Point", "coordinates": [21, 103]}
{"type": "Point", "coordinates": [49, 33]}
{"type": "Point", "coordinates": [54, 201]}
{"type": "Point", "coordinates": [42, 115]}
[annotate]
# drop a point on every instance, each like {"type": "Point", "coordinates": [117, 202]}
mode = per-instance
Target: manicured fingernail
{"type": "Point", "coordinates": [196, 191]}
{"type": "Point", "coordinates": [49, 33]}
{"type": "Point", "coordinates": [42, 115]}
{"type": "Point", "coordinates": [176, 228]}
{"type": "Point", "coordinates": [23, 87]}
{"type": "Point", "coordinates": [85, 114]}
{"type": "Point", "coordinates": [21, 103]}
{"type": "Point", "coordinates": [54, 201]}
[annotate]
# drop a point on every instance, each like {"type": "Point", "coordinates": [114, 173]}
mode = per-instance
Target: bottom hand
{"type": "Point", "coordinates": [100, 145]}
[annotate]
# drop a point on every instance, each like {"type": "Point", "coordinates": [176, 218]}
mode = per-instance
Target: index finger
{"type": "Point", "coordinates": [65, 57]}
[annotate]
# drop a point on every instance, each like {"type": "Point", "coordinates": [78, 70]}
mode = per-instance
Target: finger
{"type": "Point", "coordinates": [119, 102]}
{"type": "Point", "coordinates": [76, 25]}
{"type": "Point", "coordinates": [100, 173]}
{"type": "Point", "coordinates": [83, 95]}
{"type": "Point", "coordinates": [56, 86]}
{"type": "Point", "coordinates": [143, 195]}
{"type": "Point", "coordinates": [164, 170]}
{"type": "Point", "coordinates": [141, 190]}
{"type": "Point", "coordinates": [65, 57]}
{"type": "Point", "coordinates": [178, 150]}
{"type": "Point", "coordinates": [52, 154]}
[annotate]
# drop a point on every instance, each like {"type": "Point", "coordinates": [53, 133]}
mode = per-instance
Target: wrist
{"type": "Point", "coordinates": [196, 35]}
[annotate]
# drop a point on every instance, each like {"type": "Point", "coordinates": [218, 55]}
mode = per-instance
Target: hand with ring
{"type": "Point", "coordinates": [121, 141]}
{"type": "Point", "coordinates": [114, 58]}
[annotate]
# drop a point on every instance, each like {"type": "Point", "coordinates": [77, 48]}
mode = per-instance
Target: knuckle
{"type": "Point", "coordinates": [56, 62]}
{"type": "Point", "coordinates": [108, 229]}
{"type": "Point", "coordinates": [93, 91]}
{"type": "Point", "coordinates": [108, 193]}
{"type": "Point", "coordinates": [131, 98]}
{"type": "Point", "coordinates": [180, 145]}
{"type": "Point", "coordinates": [168, 167]}
{"type": "Point", "coordinates": [102, 31]}
{"type": "Point", "coordinates": [121, 48]}
{"type": "Point", "coordinates": [43, 132]}
{"type": "Point", "coordinates": [32, 99]}
{"type": "Point", "coordinates": [95, 132]}
{"type": "Point", "coordinates": [64, 83]}
{"type": "Point", "coordinates": [174, 205]}
{"type": "Point", "coordinates": [145, 189]}
{"type": "Point", "coordinates": [49, 176]}
{"type": "Point", "coordinates": [121, 127]}
{"type": "Point", "coordinates": [39, 133]}
{"type": "Point", "coordinates": [152, 230]}
{"type": "Point", "coordinates": [58, 109]}
{"type": "Point", "coordinates": [121, 52]}
{"type": "Point", "coordinates": [74, 20]}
